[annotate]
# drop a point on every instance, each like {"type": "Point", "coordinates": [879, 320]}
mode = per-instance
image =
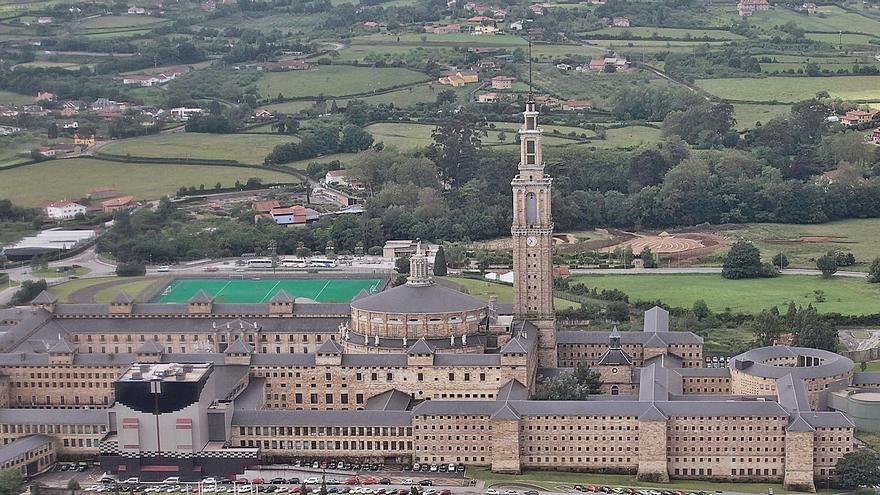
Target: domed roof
{"type": "Point", "coordinates": [408, 298]}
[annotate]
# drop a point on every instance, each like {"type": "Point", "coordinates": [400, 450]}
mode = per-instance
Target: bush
{"type": "Point", "coordinates": [131, 269]}
{"type": "Point", "coordinates": [29, 290]}
{"type": "Point", "coordinates": [874, 271]}
{"type": "Point", "coordinates": [780, 261]}
{"type": "Point", "coordinates": [827, 264]}
{"type": "Point", "coordinates": [743, 261]}
{"type": "Point", "coordinates": [617, 311]}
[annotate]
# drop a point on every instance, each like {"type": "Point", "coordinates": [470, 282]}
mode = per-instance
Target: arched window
{"type": "Point", "coordinates": [615, 390]}
{"type": "Point", "coordinates": [531, 209]}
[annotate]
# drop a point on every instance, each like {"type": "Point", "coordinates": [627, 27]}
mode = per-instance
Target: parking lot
{"type": "Point", "coordinates": [58, 479]}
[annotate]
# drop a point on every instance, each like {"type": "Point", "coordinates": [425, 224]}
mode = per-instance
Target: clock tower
{"type": "Point", "coordinates": [532, 232]}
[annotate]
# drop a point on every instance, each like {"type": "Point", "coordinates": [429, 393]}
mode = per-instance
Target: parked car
{"type": "Point", "coordinates": [581, 488]}
{"type": "Point", "coordinates": [492, 491]}
{"type": "Point", "coordinates": [385, 481]}
{"type": "Point", "coordinates": [171, 480]}
{"type": "Point", "coordinates": [426, 483]}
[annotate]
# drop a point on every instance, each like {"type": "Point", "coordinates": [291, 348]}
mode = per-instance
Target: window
{"type": "Point", "coordinates": [531, 209]}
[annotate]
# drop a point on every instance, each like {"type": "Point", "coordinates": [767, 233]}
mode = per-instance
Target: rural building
{"type": "Point", "coordinates": [341, 178]}
{"type": "Point", "coordinates": [446, 29]}
{"type": "Point", "coordinates": [293, 215]}
{"type": "Point", "coordinates": [263, 114]}
{"type": "Point", "coordinates": [875, 137]}
{"type": "Point", "coordinates": [596, 64]}
{"type": "Point", "coordinates": [59, 150]}
{"type": "Point", "coordinates": [404, 248]}
{"type": "Point", "coordinates": [68, 111]}
{"type": "Point", "coordinates": [63, 210]}
{"type": "Point", "coordinates": [855, 117]}
{"type": "Point", "coordinates": [536, 9]}
{"type": "Point", "coordinates": [115, 204]}
{"type": "Point", "coordinates": [67, 124]}
{"type": "Point", "coordinates": [373, 25]}
{"type": "Point", "coordinates": [44, 96]}
{"type": "Point", "coordinates": [749, 7]}
{"type": "Point", "coordinates": [565, 67]}
{"type": "Point", "coordinates": [809, 7]}
{"type": "Point", "coordinates": [266, 206]}
{"type": "Point", "coordinates": [487, 98]}
{"type": "Point", "coordinates": [576, 105]}
{"type": "Point", "coordinates": [620, 22]}
{"type": "Point", "coordinates": [8, 111]}
{"type": "Point", "coordinates": [293, 64]}
{"type": "Point", "coordinates": [503, 82]}
{"type": "Point", "coordinates": [45, 20]}
{"type": "Point", "coordinates": [102, 193]}
{"type": "Point", "coordinates": [459, 78]}
{"type": "Point", "coordinates": [334, 196]}
{"type": "Point", "coordinates": [480, 19]}
{"type": "Point", "coordinates": [29, 455]}
{"type": "Point", "coordinates": [184, 113]}
{"type": "Point", "coordinates": [516, 25]}
{"type": "Point", "coordinates": [8, 130]}
{"type": "Point", "coordinates": [484, 29]}
{"type": "Point", "coordinates": [86, 141]}
{"type": "Point", "coordinates": [137, 11]}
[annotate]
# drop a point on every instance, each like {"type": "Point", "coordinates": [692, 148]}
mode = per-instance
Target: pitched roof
{"type": "Point", "coordinates": [390, 400]}
{"type": "Point", "coordinates": [150, 347]}
{"type": "Point", "coordinates": [506, 413]}
{"type": "Point", "coordinates": [239, 347]}
{"type": "Point", "coordinates": [201, 297]}
{"type": "Point", "coordinates": [615, 357]}
{"type": "Point", "coordinates": [513, 346]}
{"type": "Point", "coordinates": [281, 297]}
{"type": "Point", "coordinates": [652, 414]}
{"type": "Point", "coordinates": [44, 298]}
{"type": "Point", "coordinates": [799, 424]}
{"type": "Point", "coordinates": [122, 298]}
{"type": "Point", "coordinates": [512, 390]}
{"type": "Point", "coordinates": [330, 347]}
{"type": "Point", "coordinates": [421, 347]}
{"type": "Point", "coordinates": [62, 347]}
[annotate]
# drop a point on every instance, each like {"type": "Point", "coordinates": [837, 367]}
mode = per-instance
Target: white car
{"type": "Point", "coordinates": [244, 489]}
{"type": "Point", "coordinates": [91, 488]}
{"type": "Point", "coordinates": [510, 492]}
{"type": "Point", "coordinates": [209, 489]}
{"type": "Point", "coordinates": [281, 489]}
{"type": "Point", "coordinates": [312, 481]}
{"type": "Point", "coordinates": [357, 489]}
{"type": "Point", "coordinates": [210, 481]}
{"type": "Point", "coordinates": [171, 480]}
{"type": "Point", "coordinates": [492, 491]}
{"type": "Point", "coordinates": [133, 479]}
{"type": "Point", "coordinates": [408, 481]}
{"type": "Point", "coordinates": [368, 491]}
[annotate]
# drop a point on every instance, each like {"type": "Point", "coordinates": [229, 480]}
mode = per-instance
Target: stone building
{"type": "Point", "coordinates": [418, 373]}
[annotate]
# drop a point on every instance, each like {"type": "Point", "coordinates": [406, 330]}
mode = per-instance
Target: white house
{"type": "Point", "coordinates": [184, 113]}
{"type": "Point", "coordinates": [340, 177]}
{"type": "Point", "coordinates": [137, 11]}
{"type": "Point", "coordinates": [6, 130]}
{"type": "Point", "coordinates": [63, 210]}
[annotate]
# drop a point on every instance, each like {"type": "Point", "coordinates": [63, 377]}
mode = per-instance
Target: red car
{"type": "Point", "coordinates": [293, 489]}
{"type": "Point", "coordinates": [258, 481]}
{"type": "Point", "coordinates": [351, 481]}
{"type": "Point", "coordinates": [369, 481]}
{"type": "Point", "coordinates": [593, 488]}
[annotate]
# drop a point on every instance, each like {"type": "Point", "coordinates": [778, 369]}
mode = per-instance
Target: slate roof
{"type": "Point", "coordinates": [122, 298]}
{"type": "Point", "coordinates": [22, 445]}
{"type": "Point", "coordinates": [62, 347]}
{"type": "Point", "coordinates": [421, 347]}
{"type": "Point", "coordinates": [390, 400]}
{"type": "Point", "coordinates": [512, 390]}
{"type": "Point", "coordinates": [54, 416]}
{"type": "Point", "coordinates": [239, 347]}
{"type": "Point", "coordinates": [596, 337]}
{"type": "Point", "coordinates": [330, 347]}
{"type": "Point", "coordinates": [505, 413]}
{"type": "Point", "coordinates": [408, 298]}
{"type": "Point", "coordinates": [44, 297]}
{"type": "Point", "coordinates": [866, 378]}
{"type": "Point", "coordinates": [150, 347]}
{"type": "Point", "coordinates": [752, 362]}
{"type": "Point", "coordinates": [615, 357]}
{"type": "Point", "coordinates": [281, 297]}
{"type": "Point", "coordinates": [201, 297]}
{"type": "Point", "coordinates": [800, 425]}
{"type": "Point", "coordinates": [652, 414]}
{"type": "Point", "coordinates": [287, 417]}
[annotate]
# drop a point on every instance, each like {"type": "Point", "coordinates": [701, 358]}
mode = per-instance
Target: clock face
{"type": "Point", "coordinates": [532, 240]}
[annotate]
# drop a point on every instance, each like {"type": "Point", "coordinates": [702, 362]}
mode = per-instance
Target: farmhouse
{"type": "Point", "coordinates": [137, 11]}
{"type": "Point", "coordinates": [44, 96]}
{"type": "Point", "coordinates": [855, 117]}
{"type": "Point", "coordinates": [503, 82]}
{"type": "Point", "coordinates": [487, 98]}
{"type": "Point", "coordinates": [86, 141]}
{"type": "Point", "coordinates": [576, 105]}
{"type": "Point", "coordinates": [7, 111]}
{"type": "Point", "coordinates": [749, 7]}
{"type": "Point", "coordinates": [115, 204]}
{"type": "Point", "coordinates": [620, 21]}
{"type": "Point", "coordinates": [45, 20]}
{"type": "Point", "coordinates": [263, 114]}
{"type": "Point", "coordinates": [293, 215]}
{"type": "Point", "coordinates": [484, 29]}
{"type": "Point", "coordinates": [447, 29]}
{"type": "Point", "coordinates": [266, 206]}
{"type": "Point", "coordinates": [459, 78]}
{"type": "Point", "coordinates": [341, 178]}
{"type": "Point", "coordinates": [8, 130]}
{"type": "Point", "coordinates": [62, 210]}
{"type": "Point", "coordinates": [294, 64]}
{"type": "Point", "coordinates": [875, 137]}
{"type": "Point", "coordinates": [184, 113]}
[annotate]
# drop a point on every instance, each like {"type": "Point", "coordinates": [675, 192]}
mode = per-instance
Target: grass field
{"type": "Point", "coordinates": [859, 236]}
{"type": "Point", "coordinates": [628, 137]}
{"type": "Point", "coordinates": [784, 89]}
{"type": "Point", "coordinates": [261, 290]}
{"type": "Point", "coordinates": [244, 148]}
{"type": "Point", "coordinates": [405, 136]}
{"type": "Point", "coordinates": [13, 231]}
{"type": "Point", "coordinates": [664, 32]}
{"type": "Point", "coordinates": [847, 39]}
{"type": "Point", "coordinates": [56, 273]}
{"type": "Point", "coordinates": [12, 146]}
{"type": "Point", "coordinates": [599, 88]}
{"type": "Point", "coordinates": [843, 295]}
{"type": "Point", "coordinates": [119, 21]}
{"type": "Point", "coordinates": [562, 481]}
{"type": "Point", "coordinates": [747, 114]}
{"type": "Point", "coordinates": [483, 289]}
{"type": "Point", "coordinates": [335, 80]}
{"type": "Point", "coordinates": [133, 286]}
{"type": "Point", "coordinates": [73, 178]}
{"type": "Point", "coordinates": [10, 98]}
{"type": "Point", "coordinates": [832, 19]}
{"type": "Point", "coordinates": [453, 39]}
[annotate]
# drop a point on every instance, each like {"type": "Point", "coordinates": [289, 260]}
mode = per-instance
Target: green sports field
{"type": "Point", "coordinates": [262, 290]}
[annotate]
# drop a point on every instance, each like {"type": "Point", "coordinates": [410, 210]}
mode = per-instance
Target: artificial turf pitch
{"type": "Point", "coordinates": [262, 290]}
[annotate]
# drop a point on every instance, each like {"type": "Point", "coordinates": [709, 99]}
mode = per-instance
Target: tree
{"type": "Point", "coordinates": [743, 261]}
{"type": "Point", "coordinates": [874, 271]}
{"type": "Point", "coordinates": [858, 468]}
{"type": "Point", "coordinates": [131, 269]}
{"type": "Point", "coordinates": [827, 263]}
{"type": "Point", "coordinates": [53, 131]}
{"type": "Point", "coordinates": [811, 330]}
{"type": "Point", "coordinates": [701, 309]}
{"type": "Point", "coordinates": [577, 384]}
{"type": "Point", "coordinates": [402, 265]}
{"type": "Point", "coordinates": [617, 311]}
{"type": "Point", "coordinates": [11, 482]}
{"type": "Point", "coordinates": [440, 262]}
{"type": "Point", "coordinates": [767, 326]}
{"type": "Point", "coordinates": [355, 139]}
{"type": "Point", "coordinates": [648, 258]}
{"type": "Point", "coordinates": [456, 145]}
{"type": "Point", "coordinates": [72, 485]}
{"type": "Point", "coordinates": [29, 289]}
{"type": "Point", "coordinates": [780, 260]}
{"type": "Point", "coordinates": [446, 96]}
